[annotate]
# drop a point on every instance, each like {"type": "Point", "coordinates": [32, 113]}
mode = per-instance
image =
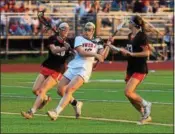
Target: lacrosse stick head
{"type": "Point", "coordinates": [124, 20]}
{"type": "Point", "coordinates": [98, 41]}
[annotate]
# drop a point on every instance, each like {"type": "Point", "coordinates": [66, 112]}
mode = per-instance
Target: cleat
{"type": "Point", "coordinates": [27, 115]}
{"type": "Point", "coordinates": [147, 110]}
{"type": "Point", "coordinates": [145, 120]}
{"type": "Point", "coordinates": [52, 114]}
{"type": "Point", "coordinates": [45, 102]}
{"type": "Point", "coordinates": [77, 109]}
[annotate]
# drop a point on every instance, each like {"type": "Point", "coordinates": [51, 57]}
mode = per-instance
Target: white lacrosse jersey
{"type": "Point", "coordinates": [80, 61]}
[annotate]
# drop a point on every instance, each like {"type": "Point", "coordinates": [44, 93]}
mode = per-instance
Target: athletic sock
{"type": "Point", "coordinates": [58, 109]}
{"type": "Point", "coordinates": [74, 102]}
{"type": "Point", "coordinates": [33, 110]}
{"type": "Point", "coordinates": [144, 103]}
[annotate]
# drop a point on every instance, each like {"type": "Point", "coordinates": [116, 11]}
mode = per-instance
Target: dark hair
{"type": "Point", "coordinates": [139, 23]}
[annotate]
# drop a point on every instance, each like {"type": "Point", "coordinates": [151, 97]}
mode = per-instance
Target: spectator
{"type": "Point", "coordinates": [106, 9]}
{"type": "Point", "coordinates": [4, 8]}
{"type": "Point", "coordinates": [78, 6]}
{"type": "Point", "coordinates": [137, 8]}
{"type": "Point", "coordinates": [16, 28]}
{"type": "Point", "coordinates": [97, 6]}
{"type": "Point", "coordinates": [26, 21]}
{"type": "Point", "coordinates": [171, 4]}
{"type": "Point", "coordinates": [2, 3]}
{"type": "Point", "coordinates": [55, 20]}
{"type": "Point", "coordinates": [90, 16]}
{"type": "Point", "coordinates": [167, 40]}
{"type": "Point", "coordinates": [119, 5]}
{"type": "Point", "coordinates": [114, 4]}
{"type": "Point", "coordinates": [85, 8]}
{"type": "Point", "coordinates": [130, 5]}
{"type": "Point", "coordinates": [35, 25]}
{"type": "Point", "coordinates": [146, 6]}
{"type": "Point", "coordinates": [162, 3]}
{"type": "Point", "coordinates": [2, 23]}
{"type": "Point", "coordinates": [124, 5]}
{"type": "Point", "coordinates": [21, 9]}
{"type": "Point", "coordinates": [12, 8]}
{"type": "Point", "coordinates": [155, 6]}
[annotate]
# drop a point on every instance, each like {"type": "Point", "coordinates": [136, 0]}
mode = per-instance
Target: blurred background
{"type": "Point", "coordinates": [22, 37]}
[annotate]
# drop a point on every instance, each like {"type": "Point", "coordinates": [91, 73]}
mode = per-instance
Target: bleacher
{"type": "Point", "coordinates": [65, 11]}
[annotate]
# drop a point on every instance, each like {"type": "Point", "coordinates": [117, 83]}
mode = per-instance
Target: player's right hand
{"type": "Point", "coordinates": [111, 39]}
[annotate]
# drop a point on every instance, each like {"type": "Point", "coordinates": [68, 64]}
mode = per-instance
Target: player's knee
{"type": "Point", "coordinates": [128, 93]}
{"type": "Point", "coordinates": [60, 93]}
{"type": "Point", "coordinates": [42, 92]}
{"type": "Point", "coordinates": [35, 92]}
{"type": "Point", "coordinates": [69, 90]}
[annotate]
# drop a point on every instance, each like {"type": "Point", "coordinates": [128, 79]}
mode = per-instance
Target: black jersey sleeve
{"type": "Point", "coordinates": [51, 40]}
{"type": "Point", "coordinates": [71, 42]}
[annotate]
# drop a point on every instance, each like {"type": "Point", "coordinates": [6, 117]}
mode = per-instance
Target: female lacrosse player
{"type": "Point", "coordinates": [80, 68]}
{"type": "Point", "coordinates": [51, 69]}
{"type": "Point", "coordinates": [137, 53]}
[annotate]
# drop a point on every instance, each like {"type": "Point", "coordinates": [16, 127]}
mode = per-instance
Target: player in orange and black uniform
{"type": "Point", "coordinates": [137, 64]}
{"type": "Point", "coordinates": [52, 69]}
{"type": "Point", "coordinates": [137, 53]}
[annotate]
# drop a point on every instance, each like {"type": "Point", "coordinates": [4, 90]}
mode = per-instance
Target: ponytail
{"type": "Point", "coordinates": [139, 23]}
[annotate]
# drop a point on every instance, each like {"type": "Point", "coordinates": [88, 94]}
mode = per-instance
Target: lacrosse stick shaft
{"type": "Point", "coordinates": [115, 48]}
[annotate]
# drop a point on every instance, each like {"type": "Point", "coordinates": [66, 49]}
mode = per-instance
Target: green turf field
{"type": "Point", "coordinates": [105, 110]}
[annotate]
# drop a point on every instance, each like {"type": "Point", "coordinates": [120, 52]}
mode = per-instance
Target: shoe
{"type": "Point", "coordinates": [147, 110]}
{"type": "Point", "coordinates": [52, 114]}
{"type": "Point", "coordinates": [145, 120]}
{"type": "Point", "coordinates": [45, 102]}
{"type": "Point", "coordinates": [27, 115]}
{"type": "Point", "coordinates": [77, 109]}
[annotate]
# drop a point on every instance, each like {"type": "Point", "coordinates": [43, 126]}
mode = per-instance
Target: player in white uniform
{"type": "Point", "coordinates": [79, 69]}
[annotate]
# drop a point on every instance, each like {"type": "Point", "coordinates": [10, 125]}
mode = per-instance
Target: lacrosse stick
{"type": "Point", "coordinates": [119, 27]}
{"type": "Point", "coordinates": [48, 26]}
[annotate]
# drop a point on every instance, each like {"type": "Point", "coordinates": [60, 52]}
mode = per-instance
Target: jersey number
{"type": "Point", "coordinates": [88, 49]}
{"type": "Point", "coordinates": [129, 47]}
{"type": "Point", "coordinates": [61, 53]}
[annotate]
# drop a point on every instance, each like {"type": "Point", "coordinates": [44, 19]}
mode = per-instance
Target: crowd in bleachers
{"type": "Point", "coordinates": [86, 9]}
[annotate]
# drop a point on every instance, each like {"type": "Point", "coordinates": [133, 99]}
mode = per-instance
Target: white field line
{"type": "Point", "coordinates": [97, 89]}
{"type": "Point", "coordinates": [122, 81]}
{"type": "Point", "coordinates": [88, 100]}
{"type": "Point", "coordinates": [100, 80]}
{"type": "Point", "coordinates": [98, 119]}
{"type": "Point", "coordinates": [116, 81]}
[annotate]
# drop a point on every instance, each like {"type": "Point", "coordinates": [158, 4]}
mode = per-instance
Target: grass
{"type": "Point", "coordinates": [101, 100]}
